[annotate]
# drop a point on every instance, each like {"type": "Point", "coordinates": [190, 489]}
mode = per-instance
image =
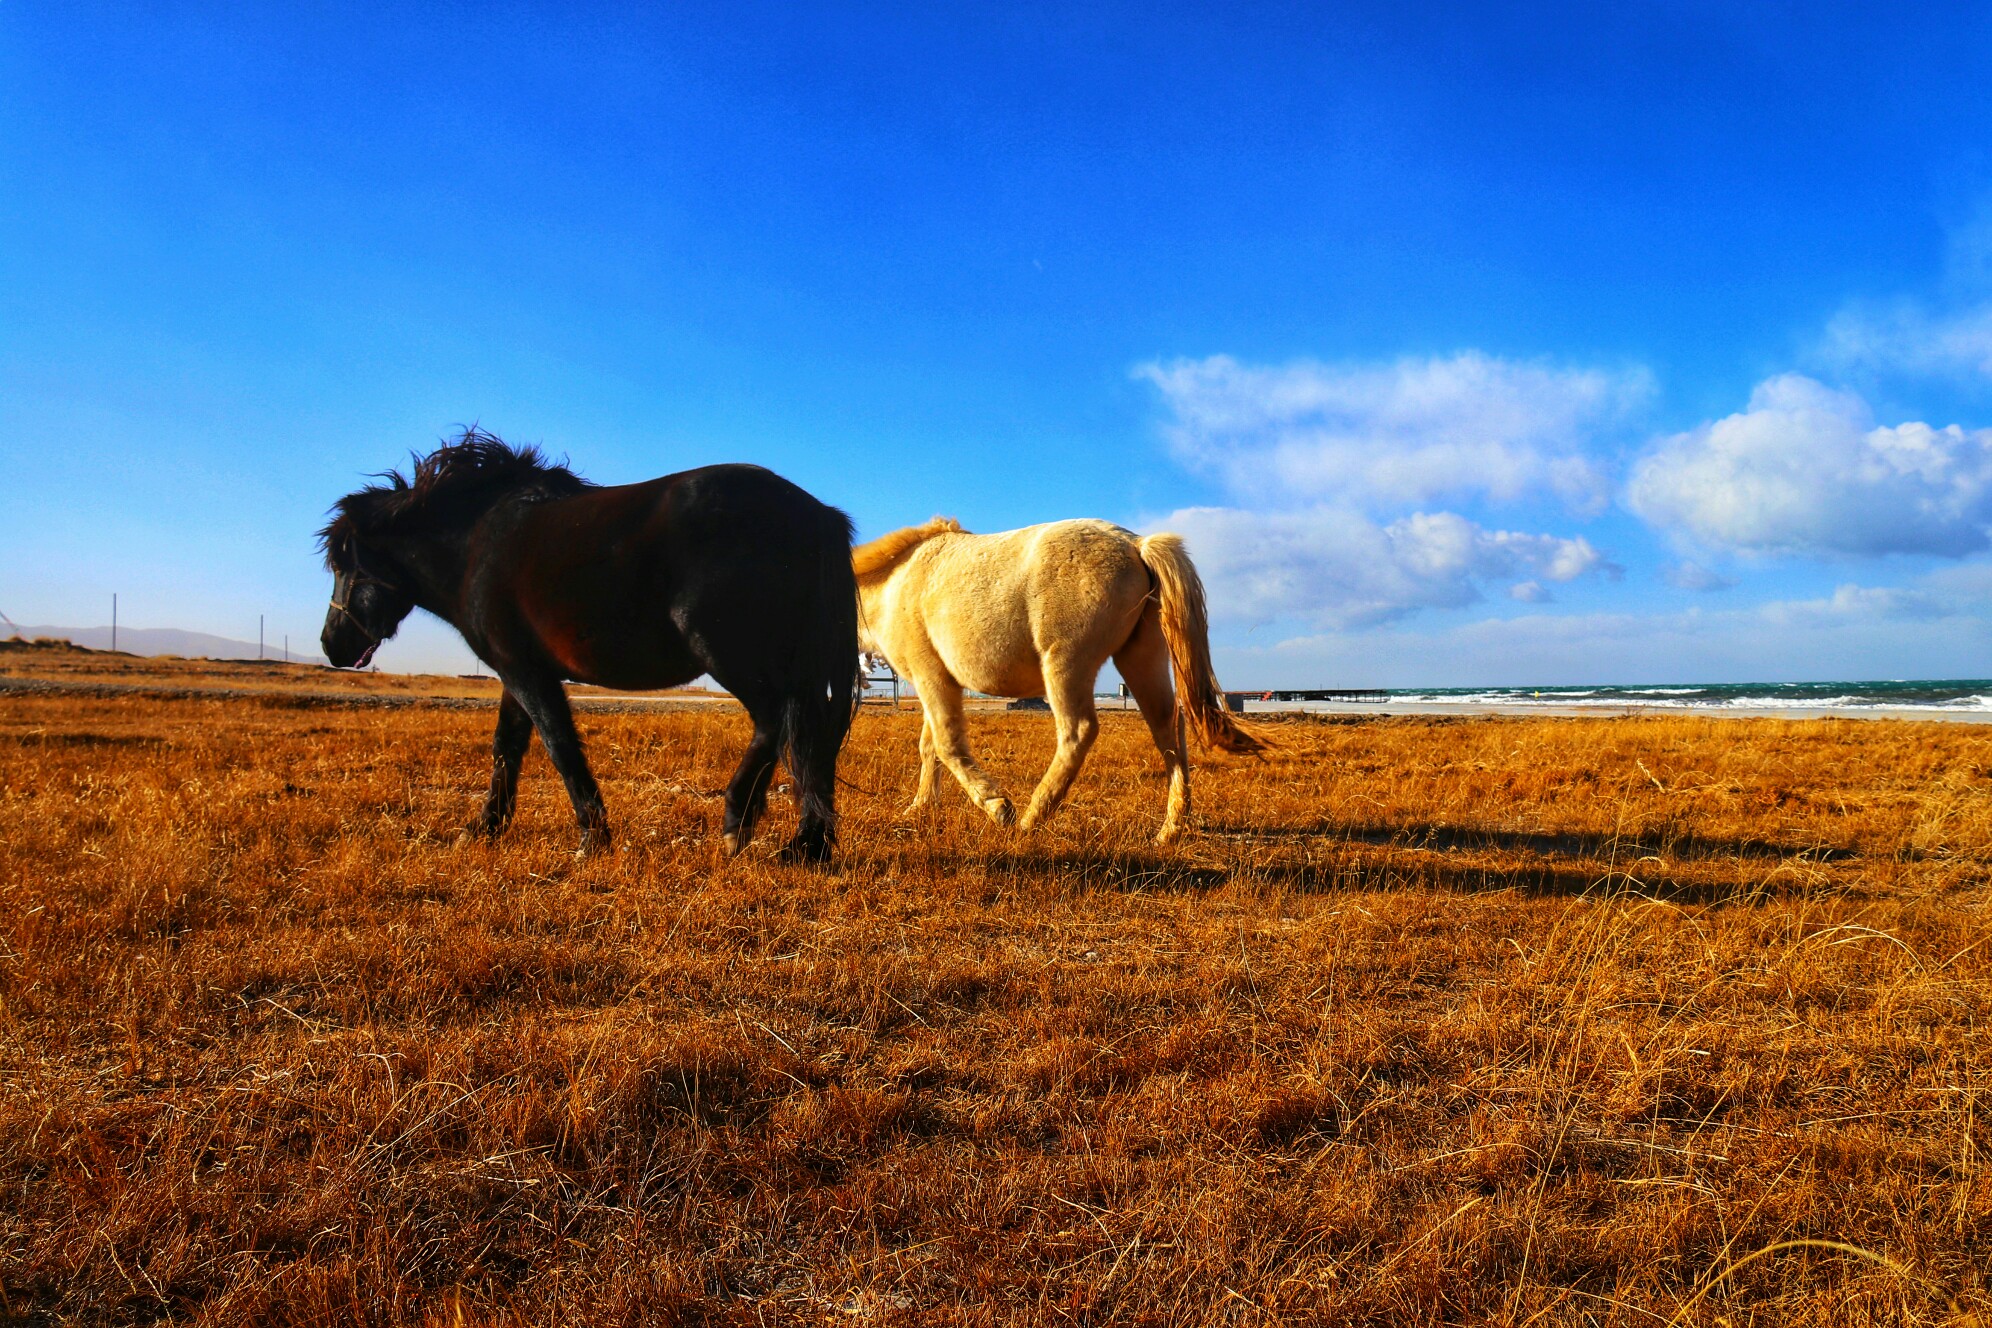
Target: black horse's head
{"type": "Point", "coordinates": [368, 602]}
{"type": "Point", "coordinates": [388, 538]}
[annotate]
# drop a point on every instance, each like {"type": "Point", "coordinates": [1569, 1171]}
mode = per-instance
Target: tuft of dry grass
{"type": "Point", "coordinates": [1627, 1021]}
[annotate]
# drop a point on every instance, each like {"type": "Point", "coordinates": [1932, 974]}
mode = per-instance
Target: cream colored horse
{"type": "Point", "coordinates": [1036, 612]}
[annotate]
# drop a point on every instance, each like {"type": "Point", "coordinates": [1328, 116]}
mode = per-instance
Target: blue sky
{"type": "Point", "coordinates": [1542, 345]}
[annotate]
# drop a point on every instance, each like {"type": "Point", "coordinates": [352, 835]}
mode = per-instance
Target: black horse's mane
{"type": "Point", "coordinates": [472, 469]}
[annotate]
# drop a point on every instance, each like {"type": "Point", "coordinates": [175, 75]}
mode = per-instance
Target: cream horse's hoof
{"type": "Point", "coordinates": [1000, 811]}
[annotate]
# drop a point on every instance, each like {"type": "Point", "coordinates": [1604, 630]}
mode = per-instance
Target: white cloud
{"type": "Point", "coordinates": [1403, 432]}
{"type": "Point", "coordinates": [1906, 338]}
{"type": "Point", "coordinates": [1530, 592]}
{"type": "Point", "coordinates": [1693, 576]}
{"type": "Point", "coordinates": [1948, 337]}
{"type": "Point", "coordinates": [1336, 568]}
{"type": "Point", "coordinates": [1856, 632]}
{"type": "Point", "coordinates": [1805, 470]}
{"type": "Point", "coordinates": [1854, 602]}
{"type": "Point", "coordinates": [1966, 587]}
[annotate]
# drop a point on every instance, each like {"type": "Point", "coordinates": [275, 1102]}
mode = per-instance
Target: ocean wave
{"type": "Point", "coordinates": [1971, 696]}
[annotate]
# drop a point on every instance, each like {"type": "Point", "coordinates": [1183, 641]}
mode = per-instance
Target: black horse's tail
{"type": "Point", "coordinates": [823, 690]}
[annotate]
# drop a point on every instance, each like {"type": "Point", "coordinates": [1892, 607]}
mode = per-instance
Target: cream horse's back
{"type": "Point", "coordinates": [1036, 612]}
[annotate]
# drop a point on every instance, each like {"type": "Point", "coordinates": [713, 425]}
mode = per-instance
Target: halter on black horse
{"type": "Point", "coordinates": [342, 596]}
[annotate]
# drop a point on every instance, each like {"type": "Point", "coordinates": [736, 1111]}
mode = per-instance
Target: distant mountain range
{"type": "Point", "coordinates": [170, 641]}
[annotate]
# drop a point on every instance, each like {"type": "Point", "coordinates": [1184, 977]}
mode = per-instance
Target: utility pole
{"type": "Point", "coordinates": [114, 621]}
{"type": "Point", "coordinates": [286, 647]}
{"type": "Point", "coordinates": [259, 638]}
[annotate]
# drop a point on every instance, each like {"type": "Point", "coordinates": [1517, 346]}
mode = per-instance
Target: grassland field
{"type": "Point", "coordinates": [1549, 1021]}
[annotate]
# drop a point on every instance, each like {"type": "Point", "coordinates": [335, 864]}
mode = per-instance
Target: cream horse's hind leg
{"type": "Point", "coordinates": [930, 765]}
{"type": "Point", "coordinates": [1070, 692]}
{"type": "Point", "coordinates": [1144, 665]}
{"type": "Point", "coordinates": [948, 727]}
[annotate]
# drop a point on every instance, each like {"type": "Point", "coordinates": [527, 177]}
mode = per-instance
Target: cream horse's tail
{"type": "Point", "coordinates": [1186, 627]}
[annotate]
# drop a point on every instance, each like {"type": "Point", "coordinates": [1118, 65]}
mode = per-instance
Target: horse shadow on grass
{"type": "Point", "coordinates": [1556, 865]}
{"type": "Point", "coordinates": [1566, 845]}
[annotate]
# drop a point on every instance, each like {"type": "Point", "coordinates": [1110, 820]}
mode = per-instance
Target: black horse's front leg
{"type": "Point", "coordinates": [747, 791]}
{"type": "Point", "coordinates": [546, 704]}
{"type": "Point", "coordinates": [508, 748]}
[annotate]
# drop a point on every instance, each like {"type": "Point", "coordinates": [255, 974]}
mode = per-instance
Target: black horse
{"type": "Point", "coordinates": [726, 570]}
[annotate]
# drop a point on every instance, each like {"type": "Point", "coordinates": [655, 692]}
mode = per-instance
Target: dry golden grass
{"type": "Point", "coordinates": [1508, 1021]}
{"type": "Point", "coordinates": [52, 661]}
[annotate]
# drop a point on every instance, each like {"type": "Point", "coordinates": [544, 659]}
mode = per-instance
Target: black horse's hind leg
{"type": "Point", "coordinates": [813, 747]}
{"type": "Point", "coordinates": [508, 748]}
{"type": "Point", "coordinates": [747, 792]}
{"type": "Point", "coordinates": [817, 834]}
{"type": "Point", "coordinates": [547, 704]}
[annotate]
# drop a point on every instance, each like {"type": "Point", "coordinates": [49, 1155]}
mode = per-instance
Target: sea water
{"type": "Point", "coordinates": [1937, 695]}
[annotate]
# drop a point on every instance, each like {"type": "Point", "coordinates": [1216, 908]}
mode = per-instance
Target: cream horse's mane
{"type": "Point", "coordinates": [879, 555]}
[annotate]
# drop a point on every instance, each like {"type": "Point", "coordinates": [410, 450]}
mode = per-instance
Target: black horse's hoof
{"type": "Point", "coordinates": [806, 849]}
{"type": "Point", "coordinates": [479, 831]}
{"type": "Point", "coordinates": [595, 841]}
